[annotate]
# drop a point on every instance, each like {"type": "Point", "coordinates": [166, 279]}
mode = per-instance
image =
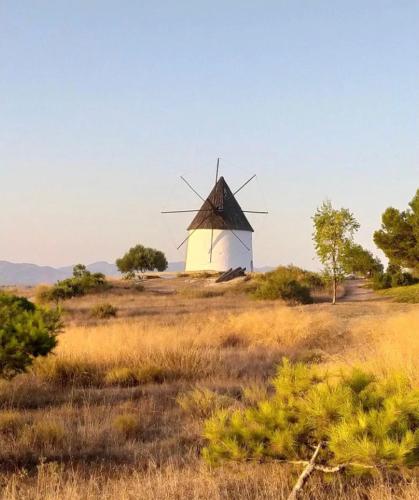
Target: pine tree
{"type": "Point", "coordinates": [351, 421]}
{"type": "Point", "coordinates": [26, 332]}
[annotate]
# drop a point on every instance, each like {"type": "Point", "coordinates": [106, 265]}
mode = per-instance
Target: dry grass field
{"type": "Point", "coordinates": [117, 412]}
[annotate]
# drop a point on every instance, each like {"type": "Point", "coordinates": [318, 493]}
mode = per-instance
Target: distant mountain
{"type": "Point", "coordinates": [97, 267]}
{"type": "Point", "coordinates": [176, 267]}
{"type": "Point", "coordinates": [28, 274]}
{"type": "Point", "coordinates": [32, 274]}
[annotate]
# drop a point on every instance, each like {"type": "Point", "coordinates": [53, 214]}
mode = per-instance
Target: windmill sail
{"type": "Point", "coordinates": [219, 236]}
{"type": "Point", "coordinates": [227, 213]}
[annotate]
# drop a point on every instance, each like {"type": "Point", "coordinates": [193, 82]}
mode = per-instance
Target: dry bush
{"type": "Point", "coordinates": [104, 311]}
{"type": "Point", "coordinates": [45, 433]}
{"type": "Point", "coordinates": [127, 425]}
{"type": "Point", "coordinates": [233, 340]}
{"type": "Point", "coordinates": [151, 373]}
{"type": "Point", "coordinates": [202, 402]}
{"type": "Point", "coordinates": [125, 377]}
{"type": "Point", "coordinates": [69, 371]}
{"type": "Point", "coordinates": [12, 422]}
{"type": "Point", "coordinates": [121, 376]}
{"type": "Point", "coordinates": [202, 293]}
{"type": "Point", "coordinates": [41, 294]}
{"type": "Point", "coordinates": [135, 367]}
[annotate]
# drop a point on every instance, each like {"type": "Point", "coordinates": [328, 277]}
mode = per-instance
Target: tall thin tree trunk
{"type": "Point", "coordinates": [334, 289]}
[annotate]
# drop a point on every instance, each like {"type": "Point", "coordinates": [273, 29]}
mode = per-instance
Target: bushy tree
{"type": "Point", "coordinates": [358, 260]}
{"type": "Point", "coordinates": [80, 271]}
{"type": "Point", "coordinates": [82, 282]}
{"type": "Point", "coordinates": [351, 421]}
{"type": "Point", "coordinates": [26, 332]}
{"type": "Point", "coordinates": [333, 233]}
{"type": "Point", "coordinates": [393, 277]}
{"type": "Point", "coordinates": [398, 237]}
{"type": "Point", "coordinates": [289, 283]}
{"type": "Point", "coordinates": [140, 259]}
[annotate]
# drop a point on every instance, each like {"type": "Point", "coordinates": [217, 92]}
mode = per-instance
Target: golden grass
{"type": "Point", "coordinates": [278, 326]}
{"type": "Point", "coordinates": [117, 411]}
{"type": "Point", "coordinates": [389, 344]}
{"type": "Point", "coordinates": [407, 294]}
{"type": "Point", "coordinates": [247, 482]}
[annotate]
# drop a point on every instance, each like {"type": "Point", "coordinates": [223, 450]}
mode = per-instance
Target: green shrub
{"type": "Point", "coordinates": [356, 420]}
{"type": "Point", "coordinates": [82, 282]}
{"type": "Point", "coordinates": [402, 279]}
{"type": "Point", "coordinates": [104, 311]}
{"type": "Point", "coordinates": [288, 290]}
{"type": "Point", "coordinates": [393, 277]}
{"type": "Point", "coordinates": [26, 332]}
{"type": "Point", "coordinates": [289, 283]}
{"type": "Point", "coordinates": [381, 281]}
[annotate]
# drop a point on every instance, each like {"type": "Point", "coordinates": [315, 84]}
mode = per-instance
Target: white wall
{"type": "Point", "coordinates": [227, 250]}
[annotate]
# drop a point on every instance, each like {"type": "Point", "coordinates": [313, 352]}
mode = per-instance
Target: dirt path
{"type": "Point", "coordinates": [355, 291]}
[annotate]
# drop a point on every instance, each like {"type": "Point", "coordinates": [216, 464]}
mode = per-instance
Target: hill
{"type": "Point", "coordinates": [31, 274]}
{"type": "Point", "coordinates": [118, 411]}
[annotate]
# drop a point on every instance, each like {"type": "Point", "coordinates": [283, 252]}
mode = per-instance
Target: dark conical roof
{"type": "Point", "coordinates": [221, 211]}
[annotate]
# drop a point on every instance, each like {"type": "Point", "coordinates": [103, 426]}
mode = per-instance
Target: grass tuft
{"type": "Point", "coordinates": [121, 376]}
{"type": "Point", "coordinates": [12, 422]}
{"type": "Point", "coordinates": [47, 433]}
{"type": "Point", "coordinates": [104, 311]}
{"type": "Point", "coordinates": [202, 402]}
{"type": "Point", "coordinates": [127, 425]}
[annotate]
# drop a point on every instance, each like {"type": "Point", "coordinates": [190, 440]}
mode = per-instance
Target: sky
{"type": "Point", "coordinates": [104, 104]}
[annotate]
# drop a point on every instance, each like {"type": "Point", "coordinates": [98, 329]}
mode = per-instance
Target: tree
{"type": "Point", "coordinates": [140, 259]}
{"type": "Point", "coordinates": [333, 233]}
{"type": "Point", "coordinates": [352, 422]}
{"type": "Point", "coordinates": [26, 332]}
{"type": "Point", "coordinates": [82, 282]}
{"type": "Point", "coordinates": [358, 260]}
{"type": "Point", "coordinates": [80, 270]}
{"type": "Point", "coordinates": [398, 237]}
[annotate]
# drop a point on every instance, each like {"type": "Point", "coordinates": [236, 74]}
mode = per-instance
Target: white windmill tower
{"type": "Point", "coordinates": [220, 236]}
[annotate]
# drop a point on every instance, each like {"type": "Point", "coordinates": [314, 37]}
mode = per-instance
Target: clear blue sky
{"type": "Point", "coordinates": [103, 104]}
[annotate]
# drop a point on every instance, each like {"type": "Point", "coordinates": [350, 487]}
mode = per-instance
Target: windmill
{"type": "Point", "coordinates": [219, 236]}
